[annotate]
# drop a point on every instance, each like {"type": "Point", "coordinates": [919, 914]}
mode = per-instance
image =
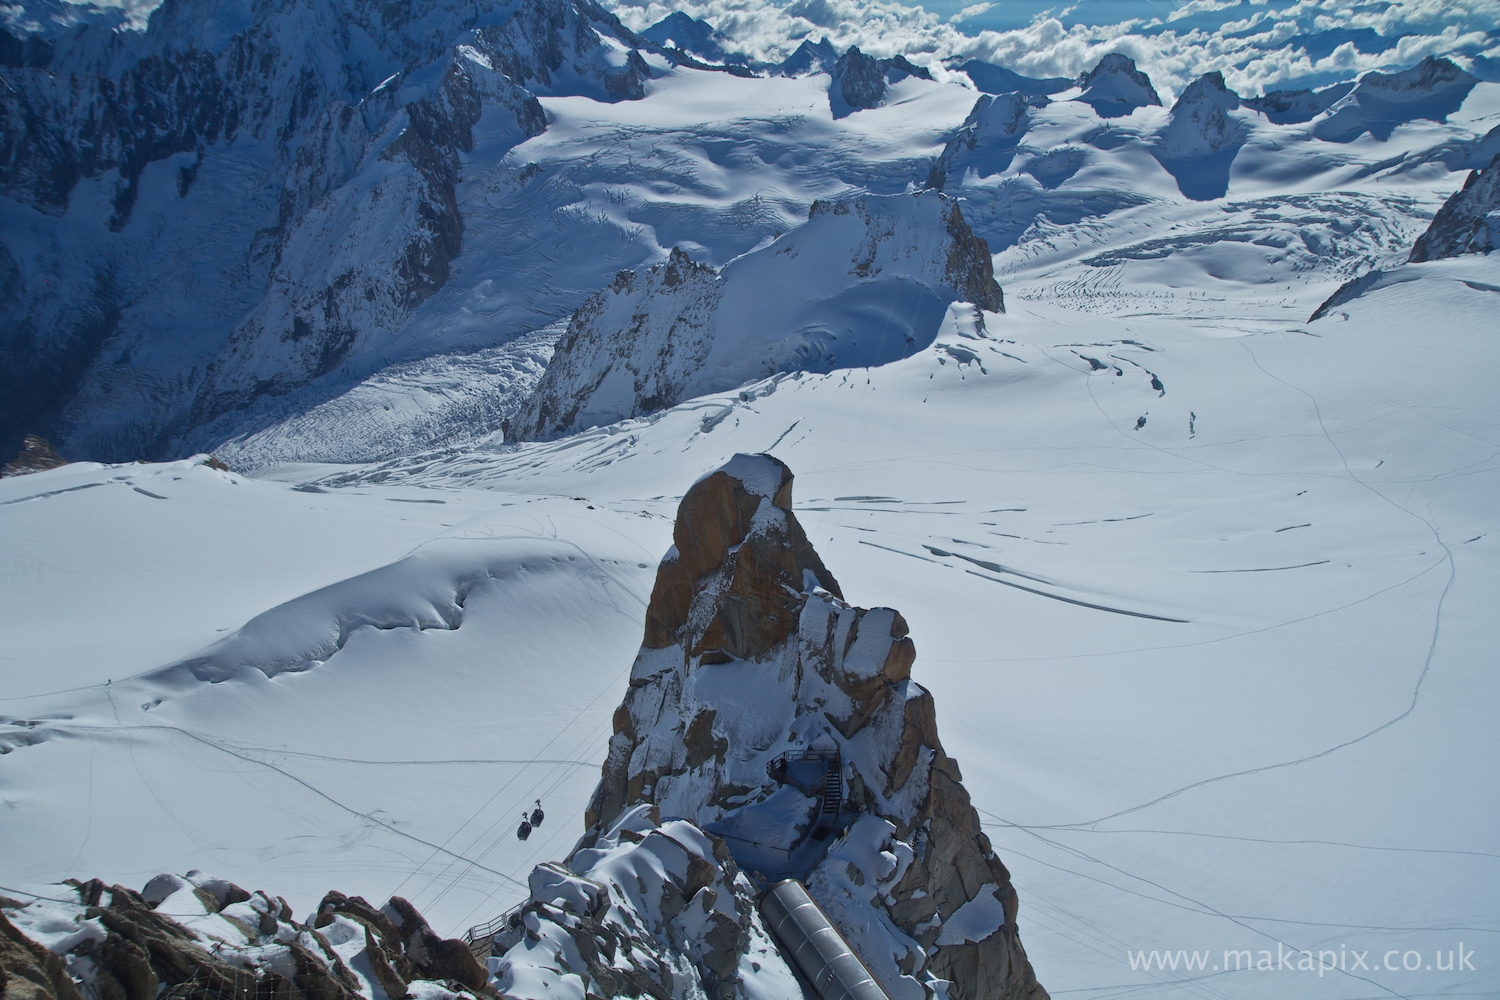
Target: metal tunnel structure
{"type": "Point", "coordinates": [816, 947]}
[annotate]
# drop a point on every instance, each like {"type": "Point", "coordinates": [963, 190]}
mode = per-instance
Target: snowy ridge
{"type": "Point", "coordinates": [862, 282]}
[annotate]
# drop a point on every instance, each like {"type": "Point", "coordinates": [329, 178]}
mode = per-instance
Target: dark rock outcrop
{"type": "Point", "coordinates": [37, 455]}
{"type": "Point", "coordinates": [862, 79]}
{"type": "Point", "coordinates": [225, 943]}
{"type": "Point", "coordinates": [809, 57]}
{"type": "Point", "coordinates": [1468, 222]}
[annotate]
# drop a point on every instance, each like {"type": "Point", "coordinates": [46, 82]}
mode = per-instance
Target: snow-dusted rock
{"type": "Point", "coordinates": [1200, 123]}
{"type": "Point", "coordinates": [647, 908]}
{"type": "Point", "coordinates": [179, 939]}
{"type": "Point", "coordinates": [988, 138]}
{"type": "Point", "coordinates": [36, 455]}
{"type": "Point", "coordinates": [1433, 89]}
{"type": "Point", "coordinates": [863, 282]}
{"type": "Point", "coordinates": [1468, 222]}
{"type": "Point", "coordinates": [749, 653]}
{"type": "Point", "coordinates": [809, 57]}
{"type": "Point", "coordinates": [1114, 87]}
{"type": "Point", "coordinates": [1202, 137]}
{"type": "Point", "coordinates": [1288, 107]}
{"type": "Point", "coordinates": [695, 36]}
{"type": "Point", "coordinates": [860, 81]}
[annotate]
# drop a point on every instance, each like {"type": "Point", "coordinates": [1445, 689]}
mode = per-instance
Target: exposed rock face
{"type": "Point", "coordinates": [862, 79]}
{"type": "Point", "coordinates": [749, 652]}
{"type": "Point", "coordinates": [689, 34]}
{"type": "Point", "coordinates": [680, 329]}
{"type": "Point", "coordinates": [1200, 123]}
{"type": "Point", "coordinates": [1115, 87]}
{"type": "Point", "coordinates": [30, 972]}
{"type": "Point", "coordinates": [223, 942]}
{"type": "Point", "coordinates": [37, 455]}
{"type": "Point", "coordinates": [1468, 222]}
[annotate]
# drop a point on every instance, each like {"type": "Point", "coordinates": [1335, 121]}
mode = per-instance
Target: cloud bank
{"type": "Point", "coordinates": [1257, 45]}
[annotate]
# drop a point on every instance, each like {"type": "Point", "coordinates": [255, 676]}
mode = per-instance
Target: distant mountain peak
{"type": "Point", "coordinates": [693, 35]}
{"type": "Point", "coordinates": [1200, 122]}
{"type": "Point", "coordinates": [1115, 87]}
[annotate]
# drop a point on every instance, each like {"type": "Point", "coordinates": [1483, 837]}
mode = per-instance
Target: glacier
{"type": "Point", "coordinates": [1196, 532]}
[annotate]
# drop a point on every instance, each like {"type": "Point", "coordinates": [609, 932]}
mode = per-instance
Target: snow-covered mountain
{"type": "Point", "coordinates": [866, 281]}
{"type": "Point", "coordinates": [1196, 537]}
{"type": "Point", "coordinates": [324, 198]}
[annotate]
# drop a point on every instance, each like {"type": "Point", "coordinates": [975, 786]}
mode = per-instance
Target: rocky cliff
{"type": "Point", "coordinates": [196, 936]}
{"type": "Point", "coordinates": [1468, 222]}
{"type": "Point", "coordinates": [861, 80]}
{"type": "Point", "coordinates": [865, 281]}
{"type": "Point", "coordinates": [767, 713]}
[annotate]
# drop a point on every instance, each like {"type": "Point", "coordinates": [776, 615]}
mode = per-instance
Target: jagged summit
{"type": "Point", "coordinates": [1433, 89]}
{"type": "Point", "coordinates": [809, 57]}
{"type": "Point", "coordinates": [1202, 138]}
{"type": "Point", "coordinates": [1114, 87]}
{"type": "Point", "coordinates": [988, 139]}
{"type": "Point", "coordinates": [770, 714]}
{"type": "Point", "coordinates": [1200, 122]}
{"type": "Point", "coordinates": [693, 35]}
{"type": "Point", "coordinates": [862, 80]}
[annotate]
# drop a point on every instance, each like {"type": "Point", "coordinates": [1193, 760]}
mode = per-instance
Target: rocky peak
{"type": "Point", "coordinates": [1115, 87]}
{"type": "Point", "coordinates": [770, 714]}
{"type": "Point", "coordinates": [36, 455]}
{"type": "Point", "coordinates": [693, 35]}
{"type": "Point", "coordinates": [680, 329]}
{"type": "Point", "coordinates": [1468, 222]}
{"type": "Point", "coordinates": [1287, 107]}
{"type": "Point", "coordinates": [1433, 89]}
{"type": "Point", "coordinates": [1200, 122]}
{"type": "Point", "coordinates": [1432, 75]}
{"type": "Point", "coordinates": [809, 57]}
{"type": "Point", "coordinates": [994, 129]}
{"type": "Point", "coordinates": [862, 79]}
{"type": "Point", "coordinates": [762, 560]}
